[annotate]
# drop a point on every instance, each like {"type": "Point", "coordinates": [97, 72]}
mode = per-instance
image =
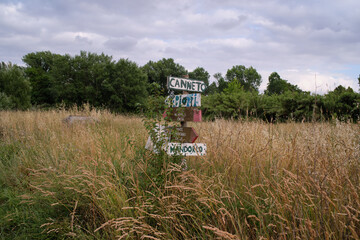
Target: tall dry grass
{"type": "Point", "coordinates": [258, 180]}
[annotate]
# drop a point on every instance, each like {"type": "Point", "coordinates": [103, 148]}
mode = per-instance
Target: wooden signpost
{"type": "Point", "coordinates": [186, 149]}
{"type": "Point", "coordinates": [182, 134]}
{"type": "Point", "coordinates": [185, 84]}
{"type": "Point", "coordinates": [183, 109]}
{"type": "Point", "coordinates": [185, 100]}
{"type": "Point", "coordinates": [184, 114]}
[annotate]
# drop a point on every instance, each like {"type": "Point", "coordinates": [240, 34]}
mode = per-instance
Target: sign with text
{"type": "Point", "coordinates": [182, 134]}
{"type": "Point", "coordinates": [186, 149]}
{"type": "Point", "coordinates": [185, 100]}
{"type": "Point", "coordinates": [183, 114]}
{"type": "Point", "coordinates": [185, 84]}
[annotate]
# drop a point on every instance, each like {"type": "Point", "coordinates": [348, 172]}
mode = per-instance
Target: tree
{"type": "Point", "coordinates": [159, 71]}
{"type": "Point", "coordinates": [279, 86]}
{"type": "Point", "coordinates": [125, 89]}
{"type": "Point", "coordinates": [359, 82]}
{"type": "Point", "coordinates": [222, 83]}
{"type": "Point", "coordinates": [72, 80]}
{"type": "Point", "coordinates": [249, 78]}
{"type": "Point", "coordinates": [90, 70]}
{"type": "Point", "coordinates": [211, 89]}
{"type": "Point", "coordinates": [342, 103]}
{"type": "Point", "coordinates": [200, 73]}
{"type": "Point", "coordinates": [15, 90]}
{"type": "Point", "coordinates": [45, 91]}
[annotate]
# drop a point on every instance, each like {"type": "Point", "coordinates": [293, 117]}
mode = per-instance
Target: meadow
{"type": "Point", "coordinates": [97, 181]}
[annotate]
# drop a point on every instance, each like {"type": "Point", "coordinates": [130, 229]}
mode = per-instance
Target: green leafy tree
{"type": "Point", "coordinates": [234, 87]}
{"type": "Point", "coordinates": [73, 80]}
{"type": "Point", "coordinates": [343, 104]}
{"type": "Point", "coordinates": [15, 90]}
{"type": "Point", "coordinates": [159, 71]}
{"type": "Point", "coordinates": [279, 86]}
{"type": "Point", "coordinates": [222, 83]}
{"type": "Point", "coordinates": [211, 89]}
{"type": "Point", "coordinates": [125, 89]}
{"type": "Point", "coordinates": [200, 73]}
{"type": "Point", "coordinates": [270, 107]}
{"type": "Point", "coordinates": [90, 70]}
{"type": "Point", "coordinates": [45, 90]}
{"type": "Point", "coordinates": [298, 106]}
{"type": "Point", "coordinates": [249, 78]}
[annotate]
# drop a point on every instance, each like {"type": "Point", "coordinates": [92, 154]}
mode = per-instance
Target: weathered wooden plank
{"type": "Point", "coordinates": [183, 114]}
{"type": "Point", "coordinates": [185, 84]}
{"type": "Point", "coordinates": [182, 134]}
{"type": "Point", "coordinates": [184, 100]}
{"type": "Point", "coordinates": [186, 149]}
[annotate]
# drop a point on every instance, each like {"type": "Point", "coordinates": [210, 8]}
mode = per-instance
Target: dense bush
{"type": "Point", "coordinates": [14, 88]}
{"type": "Point", "coordinates": [50, 80]}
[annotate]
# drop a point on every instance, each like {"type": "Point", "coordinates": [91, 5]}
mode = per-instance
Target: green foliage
{"type": "Point", "coordinates": [279, 86]}
{"type": "Point", "coordinates": [234, 102]}
{"type": "Point", "coordinates": [125, 89]}
{"type": "Point", "coordinates": [50, 80]}
{"type": "Point", "coordinates": [200, 73]}
{"type": "Point", "coordinates": [158, 72]}
{"type": "Point", "coordinates": [5, 102]}
{"type": "Point", "coordinates": [45, 91]}
{"type": "Point", "coordinates": [249, 78]}
{"type": "Point", "coordinates": [15, 89]}
{"type": "Point", "coordinates": [222, 83]}
{"type": "Point", "coordinates": [90, 71]}
{"type": "Point", "coordinates": [343, 104]}
{"type": "Point", "coordinates": [86, 78]}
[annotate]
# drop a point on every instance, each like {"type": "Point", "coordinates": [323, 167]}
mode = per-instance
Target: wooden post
{"type": "Point", "coordinates": [184, 123]}
{"type": "Point", "coordinates": [184, 109]}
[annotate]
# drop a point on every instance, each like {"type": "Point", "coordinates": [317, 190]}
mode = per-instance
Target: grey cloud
{"type": "Point", "coordinates": [83, 39]}
{"type": "Point", "coordinates": [282, 34]}
{"type": "Point", "coordinates": [121, 44]}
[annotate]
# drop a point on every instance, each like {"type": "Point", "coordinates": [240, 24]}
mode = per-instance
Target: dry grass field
{"type": "Point", "coordinates": [96, 180]}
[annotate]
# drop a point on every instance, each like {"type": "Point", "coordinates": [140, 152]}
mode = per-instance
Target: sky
{"type": "Point", "coordinates": [314, 44]}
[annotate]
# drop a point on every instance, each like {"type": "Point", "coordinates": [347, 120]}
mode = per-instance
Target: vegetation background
{"type": "Point", "coordinates": [280, 164]}
{"type": "Point", "coordinates": [51, 80]}
{"type": "Point", "coordinates": [96, 180]}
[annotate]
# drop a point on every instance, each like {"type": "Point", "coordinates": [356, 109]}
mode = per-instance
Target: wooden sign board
{"type": "Point", "coordinates": [186, 149]}
{"type": "Point", "coordinates": [185, 100]}
{"type": "Point", "coordinates": [182, 134]}
{"type": "Point", "coordinates": [183, 114]}
{"type": "Point", "coordinates": [185, 84]}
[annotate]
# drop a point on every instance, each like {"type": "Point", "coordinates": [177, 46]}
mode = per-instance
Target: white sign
{"type": "Point", "coordinates": [186, 149]}
{"type": "Point", "coordinates": [185, 84]}
{"type": "Point", "coordinates": [185, 100]}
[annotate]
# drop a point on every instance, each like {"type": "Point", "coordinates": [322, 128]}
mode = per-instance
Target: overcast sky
{"type": "Point", "coordinates": [312, 43]}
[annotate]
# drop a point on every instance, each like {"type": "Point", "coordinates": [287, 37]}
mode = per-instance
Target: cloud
{"type": "Point", "coordinates": [121, 44]}
{"type": "Point", "coordinates": [270, 35]}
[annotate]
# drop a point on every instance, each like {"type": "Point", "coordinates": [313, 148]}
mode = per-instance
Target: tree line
{"type": "Point", "coordinates": [49, 80]}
